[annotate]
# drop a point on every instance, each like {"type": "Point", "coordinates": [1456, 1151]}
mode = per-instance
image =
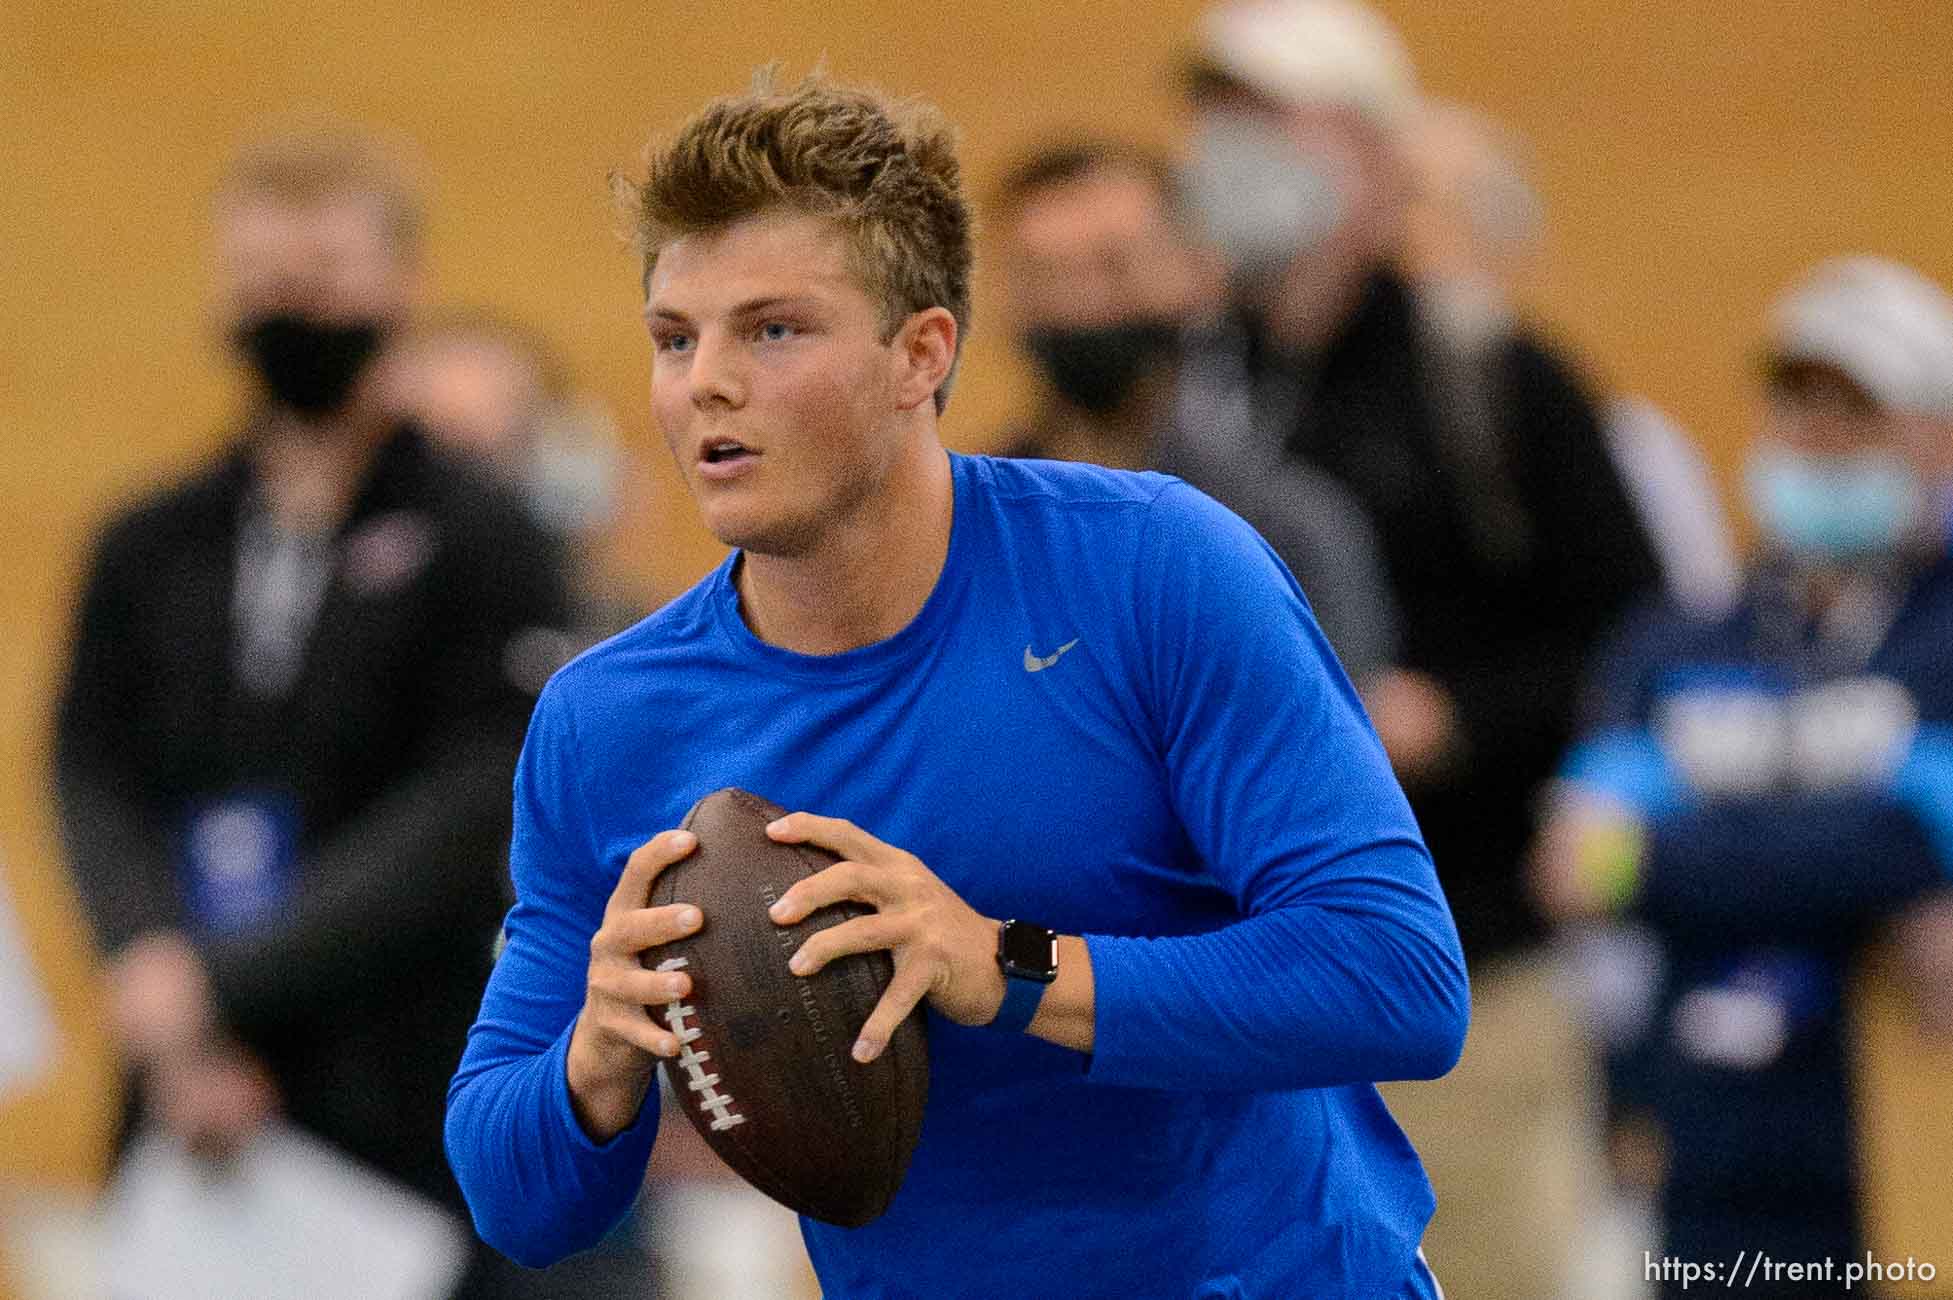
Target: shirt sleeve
{"type": "Point", "coordinates": [116, 843]}
{"type": "Point", "coordinates": [1345, 965]}
{"type": "Point", "coordinates": [1314, 525]}
{"type": "Point", "coordinates": [537, 1186]}
{"type": "Point", "coordinates": [1784, 868]}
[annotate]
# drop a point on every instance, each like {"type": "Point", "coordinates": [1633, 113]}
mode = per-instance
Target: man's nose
{"type": "Point", "coordinates": [718, 371]}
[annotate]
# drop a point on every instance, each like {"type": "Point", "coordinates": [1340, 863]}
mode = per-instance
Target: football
{"type": "Point", "coordinates": [764, 1072]}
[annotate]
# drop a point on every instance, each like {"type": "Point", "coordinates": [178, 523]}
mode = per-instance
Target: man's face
{"type": "Point", "coordinates": [1098, 250]}
{"type": "Point", "coordinates": [1818, 411]}
{"type": "Point", "coordinates": [474, 394]}
{"type": "Point", "coordinates": [778, 397]}
{"type": "Point", "coordinates": [1345, 167]}
{"type": "Point", "coordinates": [333, 260]}
{"type": "Point", "coordinates": [1833, 476]}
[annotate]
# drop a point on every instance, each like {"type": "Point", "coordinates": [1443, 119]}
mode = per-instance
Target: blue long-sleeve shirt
{"type": "Point", "coordinates": [1192, 786]}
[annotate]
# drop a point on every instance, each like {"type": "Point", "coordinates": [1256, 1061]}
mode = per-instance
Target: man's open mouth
{"type": "Point", "coordinates": [720, 450]}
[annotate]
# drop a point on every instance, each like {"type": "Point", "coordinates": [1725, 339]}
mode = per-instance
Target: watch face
{"type": "Point", "coordinates": [1028, 951]}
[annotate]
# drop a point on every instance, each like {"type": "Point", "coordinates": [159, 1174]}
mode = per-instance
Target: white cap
{"type": "Point", "coordinates": [1884, 325]}
{"type": "Point", "coordinates": [1332, 52]}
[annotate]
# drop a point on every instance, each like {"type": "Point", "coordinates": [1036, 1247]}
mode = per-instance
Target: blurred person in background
{"type": "Point", "coordinates": [1510, 545]}
{"type": "Point", "coordinates": [288, 728]}
{"type": "Point", "coordinates": [1770, 789]}
{"type": "Point", "coordinates": [495, 391]}
{"type": "Point", "coordinates": [1475, 237]}
{"type": "Point", "coordinates": [1475, 234]}
{"type": "Point", "coordinates": [1104, 279]}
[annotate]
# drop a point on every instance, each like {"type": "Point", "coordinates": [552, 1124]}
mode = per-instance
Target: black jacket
{"type": "Point", "coordinates": [395, 746]}
{"type": "Point", "coordinates": [1511, 549]}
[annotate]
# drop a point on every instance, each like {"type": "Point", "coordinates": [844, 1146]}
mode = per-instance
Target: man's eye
{"type": "Point", "coordinates": [775, 331]}
{"type": "Point", "coordinates": [674, 342]}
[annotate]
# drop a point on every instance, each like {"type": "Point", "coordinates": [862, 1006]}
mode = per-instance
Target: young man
{"type": "Point", "coordinates": [1089, 699]}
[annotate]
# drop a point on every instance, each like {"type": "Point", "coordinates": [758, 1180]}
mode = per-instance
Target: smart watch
{"type": "Point", "coordinates": [1028, 955]}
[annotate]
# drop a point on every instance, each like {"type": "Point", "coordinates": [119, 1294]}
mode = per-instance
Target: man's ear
{"type": "Point", "coordinates": [1928, 442]}
{"type": "Point", "coordinates": [926, 348]}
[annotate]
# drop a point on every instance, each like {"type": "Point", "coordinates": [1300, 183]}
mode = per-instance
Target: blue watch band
{"type": "Point", "coordinates": [1021, 999]}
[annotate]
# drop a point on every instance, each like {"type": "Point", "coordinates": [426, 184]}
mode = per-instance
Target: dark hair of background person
{"type": "Point", "coordinates": [1064, 161]}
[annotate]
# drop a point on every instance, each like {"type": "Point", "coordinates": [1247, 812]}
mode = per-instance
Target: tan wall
{"type": "Point", "coordinates": [1694, 156]}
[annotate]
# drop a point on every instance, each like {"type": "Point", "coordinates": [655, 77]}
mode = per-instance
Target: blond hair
{"type": "Point", "coordinates": [321, 161]}
{"type": "Point", "coordinates": [884, 170]}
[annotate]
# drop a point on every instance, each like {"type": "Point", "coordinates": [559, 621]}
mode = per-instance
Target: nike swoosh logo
{"type": "Point", "coordinates": [1038, 663]}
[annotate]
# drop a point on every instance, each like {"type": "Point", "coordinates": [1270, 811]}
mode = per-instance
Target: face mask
{"type": "Point", "coordinates": [1096, 369]}
{"type": "Point", "coordinates": [1833, 507]}
{"type": "Point", "coordinates": [306, 364]}
{"type": "Point", "coordinates": [1260, 198]}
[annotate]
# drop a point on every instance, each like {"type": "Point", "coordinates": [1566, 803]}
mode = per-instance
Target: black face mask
{"type": "Point", "coordinates": [306, 364]}
{"type": "Point", "coordinates": [1096, 369]}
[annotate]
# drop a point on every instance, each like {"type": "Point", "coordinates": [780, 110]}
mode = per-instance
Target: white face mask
{"type": "Point", "coordinates": [1261, 199]}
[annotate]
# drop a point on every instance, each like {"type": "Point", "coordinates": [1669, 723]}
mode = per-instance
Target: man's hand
{"type": "Point", "coordinates": [159, 998]}
{"type": "Point", "coordinates": [1417, 721]}
{"type": "Point", "coordinates": [1586, 862]}
{"type": "Point", "coordinates": [944, 950]}
{"type": "Point", "coordinates": [614, 1047]}
{"type": "Point", "coordinates": [213, 1099]}
{"type": "Point", "coordinates": [208, 1092]}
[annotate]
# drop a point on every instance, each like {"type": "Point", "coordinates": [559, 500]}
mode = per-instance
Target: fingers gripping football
{"type": "Point", "coordinates": [612, 1049]}
{"type": "Point", "coordinates": [944, 950]}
